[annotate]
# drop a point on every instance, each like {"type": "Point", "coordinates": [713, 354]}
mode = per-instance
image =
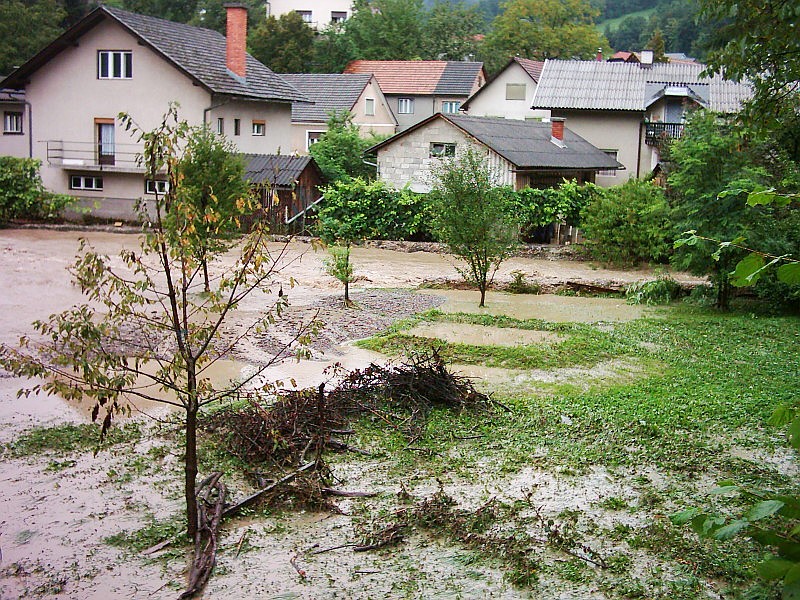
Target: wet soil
{"type": "Point", "coordinates": [56, 512]}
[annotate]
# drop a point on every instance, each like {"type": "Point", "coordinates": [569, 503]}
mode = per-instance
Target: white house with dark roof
{"type": "Point", "coordinates": [317, 13]}
{"type": "Point", "coordinates": [116, 61]}
{"type": "Point", "coordinates": [627, 109]}
{"type": "Point", "coordinates": [356, 93]}
{"type": "Point", "coordinates": [509, 94]}
{"type": "Point", "coordinates": [418, 89]}
{"type": "Point", "coordinates": [520, 153]}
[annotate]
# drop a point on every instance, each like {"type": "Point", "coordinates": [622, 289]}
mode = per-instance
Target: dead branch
{"type": "Point", "coordinates": [255, 496]}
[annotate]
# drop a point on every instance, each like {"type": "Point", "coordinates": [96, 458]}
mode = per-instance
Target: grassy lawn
{"type": "Point", "coordinates": [601, 27]}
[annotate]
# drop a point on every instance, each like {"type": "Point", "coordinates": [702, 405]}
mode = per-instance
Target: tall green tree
{"type": "Point", "coordinates": [471, 216]}
{"type": "Point", "coordinates": [333, 49]}
{"type": "Point", "coordinates": [285, 44]}
{"type": "Point", "coordinates": [181, 11]}
{"type": "Point", "coordinates": [26, 28]}
{"type": "Point", "coordinates": [540, 29]}
{"type": "Point", "coordinates": [339, 153]}
{"type": "Point", "coordinates": [212, 193]}
{"type": "Point", "coordinates": [449, 31]}
{"type": "Point", "coordinates": [386, 29]}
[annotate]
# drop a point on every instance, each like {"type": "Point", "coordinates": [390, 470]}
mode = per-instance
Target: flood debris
{"type": "Point", "coordinates": [211, 495]}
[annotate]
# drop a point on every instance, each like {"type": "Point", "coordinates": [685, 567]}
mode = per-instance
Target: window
{"type": "Point", "coordinates": [451, 107]}
{"type": "Point", "coordinates": [105, 141]}
{"type": "Point", "coordinates": [86, 182]}
{"type": "Point", "coordinates": [338, 17]}
{"type": "Point", "coordinates": [369, 107]}
{"type": "Point", "coordinates": [156, 186]}
{"type": "Point", "coordinates": [441, 150]}
{"type": "Point", "coordinates": [12, 122]}
{"type": "Point", "coordinates": [515, 91]}
{"type": "Point", "coordinates": [312, 137]}
{"type": "Point", "coordinates": [405, 106]}
{"type": "Point", "coordinates": [609, 172]}
{"type": "Point", "coordinates": [220, 126]}
{"type": "Point", "coordinates": [237, 126]}
{"type": "Point", "coordinates": [259, 127]}
{"type": "Point", "coordinates": [305, 15]}
{"type": "Point", "coordinates": [114, 64]}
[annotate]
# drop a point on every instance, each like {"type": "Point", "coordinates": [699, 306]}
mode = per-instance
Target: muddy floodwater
{"type": "Point", "coordinates": [479, 335]}
{"type": "Point", "coordinates": [55, 512]}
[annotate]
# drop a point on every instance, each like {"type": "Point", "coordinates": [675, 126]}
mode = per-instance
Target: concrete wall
{"type": "Point", "coordinates": [277, 119]}
{"type": "Point", "coordinates": [14, 144]}
{"type": "Point", "coordinates": [407, 160]}
{"type": "Point", "coordinates": [491, 102]}
{"type": "Point", "coordinates": [320, 9]}
{"type": "Point", "coordinates": [613, 130]}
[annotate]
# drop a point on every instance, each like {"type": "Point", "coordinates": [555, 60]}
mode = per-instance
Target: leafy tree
{"type": "Point", "coordinates": [338, 265]}
{"type": "Point", "coordinates": [181, 11]}
{"type": "Point", "coordinates": [339, 153]}
{"type": "Point", "coordinates": [628, 224]}
{"type": "Point", "coordinates": [285, 45]}
{"type": "Point", "coordinates": [656, 44]}
{"type": "Point", "coordinates": [213, 15]}
{"type": "Point", "coordinates": [22, 194]}
{"type": "Point", "coordinates": [471, 216]}
{"type": "Point", "coordinates": [540, 29]}
{"type": "Point", "coordinates": [212, 193]}
{"type": "Point", "coordinates": [26, 28]}
{"type": "Point", "coordinates": [386, 29]}
{"type": "Point", "coordinates": [628, 34]}
{"type": "Point", "coordinates": [154, 326]}
{"type": "Point", "coordinates": [449, 31]}
{"type": "Point", "coordinates": [534, 208]}
{"type": "Point", "coordinates": [333, 49]}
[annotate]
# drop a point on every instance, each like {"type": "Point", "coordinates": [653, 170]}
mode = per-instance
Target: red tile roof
{"type": "Point", "coordinates": [421, 77]}
{"type": "Point", "coordinates": [532, 67]}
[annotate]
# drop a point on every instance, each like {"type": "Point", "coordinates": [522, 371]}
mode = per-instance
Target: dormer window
{"type": "Point", "coordinates": [114, 64]}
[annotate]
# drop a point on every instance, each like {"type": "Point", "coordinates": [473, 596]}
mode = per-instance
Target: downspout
{"type": "Point", "coordinates": [30, 128]}
{"type": "Point", "coordinates": [639, 150]}
{"type": "Point", "coordinates": [212, 107]}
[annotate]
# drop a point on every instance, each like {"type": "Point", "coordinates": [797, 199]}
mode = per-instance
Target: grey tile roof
{"type": "Point", "coordinates": [198, 52]}
{"type": "Point", "coordinates": [525, 144]}
{"type": "Point", "coordinates": [280, 169]}
{"type": "Point", "coordinates": [458, 78]}
{"type": "Point", "coordinates": [598, 85]}
{"type": "Point", "coordinates": [329, 92]}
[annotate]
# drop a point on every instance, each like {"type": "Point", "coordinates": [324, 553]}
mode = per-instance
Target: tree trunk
{"type": "Point", "coordinates": [205, 274]}
{"type": "Point", "coordinates": [347, 293]}
{"type": "Point", "coordinates": [190, 470]}
{"type": "Point", "coordinates": [483, 296]}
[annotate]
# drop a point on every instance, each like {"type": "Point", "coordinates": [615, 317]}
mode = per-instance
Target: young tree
{"type": "Point", "coordinates": [153, 323]}
{"type": "Point", "coordinates": [386, 29]}
{"type": "Point", "coordinates": [285, 45]}
{"type": "Point", "coordinates": [471, 216]}
{"type": "Point", "coordinates": [541, 29]}
{"type": "Point", "coordinates": [339, 153]}
{"type": "Point", "coordinates": [212, 190]}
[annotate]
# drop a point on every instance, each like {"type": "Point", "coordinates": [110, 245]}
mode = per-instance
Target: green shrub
{"type": "Point", "coordinates": [22, 194]}
{"type": "Point", "coordinates": [534, 208]}
{"type": "Point", "coordinates": [520, 284]}
{"type": "Point", "coordinates": [655, 291]}
{"type": "Point", "coordinates": [371, 210]}
{"type": "Point", "coordinates": [628, 224]}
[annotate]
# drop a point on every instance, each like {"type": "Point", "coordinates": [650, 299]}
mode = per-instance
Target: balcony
{"type": "Point", "coordinates": [656, 133]}
{"type": "Point", "coordinates": [95, 156]}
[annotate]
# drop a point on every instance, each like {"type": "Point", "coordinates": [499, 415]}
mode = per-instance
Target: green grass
{"type": "Point", "coordinates": [65, 439]}
{"type": "Point", "coordinates": [601, 27]}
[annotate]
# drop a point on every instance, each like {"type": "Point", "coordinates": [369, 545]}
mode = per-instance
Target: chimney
{"type": "Point", "coordinates": [646, 59]}
{"type": "Point", "coordinates": [599, 55]}
{"type": "Point", "coordinates": [557, 128]}
{"type": "Point", "coordinates": [236, 39]}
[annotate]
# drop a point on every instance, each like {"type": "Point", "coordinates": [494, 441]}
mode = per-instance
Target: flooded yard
{"type": "Point", "coordinates": [60, 507]}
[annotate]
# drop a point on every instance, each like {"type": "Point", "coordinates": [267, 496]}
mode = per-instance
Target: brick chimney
{"type": "Point", "coordinates": [557, 128]}
{"type": "Point", "coordinates": [599, 55]}
{"type": "Point", "coordinates": [236, 39]}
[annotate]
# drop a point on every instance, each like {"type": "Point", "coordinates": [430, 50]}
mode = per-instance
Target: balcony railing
{"type": "Point", "coordinates": [94, 156]}
{"type": "Point", "coordinates": [659, 132]}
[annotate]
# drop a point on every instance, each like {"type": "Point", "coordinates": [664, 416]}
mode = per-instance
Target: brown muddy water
{"type": "Point", "coordinates": [56, 509]}
{"type": "Point", "coordinates": [479, 335]}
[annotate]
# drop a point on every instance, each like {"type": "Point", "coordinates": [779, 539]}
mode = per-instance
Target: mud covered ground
{"type": "Point", "coordinates": [58, 508]}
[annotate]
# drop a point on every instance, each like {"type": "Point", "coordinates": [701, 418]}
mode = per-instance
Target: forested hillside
{"type": "Point", "coordinates": [487, 30]}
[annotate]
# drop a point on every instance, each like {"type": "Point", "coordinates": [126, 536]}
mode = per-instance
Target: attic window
{"type": "Point", "coordinates": [114, 64]}
{"type": "Point", "coordinates": [369, 107]}
{"type": "Point", "coordinates": [442, 150]}
{"type": "Point", "coordinates": [515, 91]}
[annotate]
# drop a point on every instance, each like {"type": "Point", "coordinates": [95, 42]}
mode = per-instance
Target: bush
{"type": "Point", "coordinates": [22, 194]}
{"type": "Point", "coordinates": [534, 208]}
{"type": "Point", "coordinates": [628, 224]}
{"type": "Point", "coordinates": [371, 210]}
{"type": "Point", "coordinates": [520, 284]}
{"type": "Point", "coordinates": [656, 291]}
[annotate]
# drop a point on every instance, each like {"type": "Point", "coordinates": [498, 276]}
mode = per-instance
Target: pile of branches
{"type": "Point", "coordinates": [299, 424]}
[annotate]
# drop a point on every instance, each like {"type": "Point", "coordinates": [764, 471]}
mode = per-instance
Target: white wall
{"type": "Point", "coordinates": [491, 102]}
{"type": "Point", "coordinates": [320, 9]}
{"type": "Point", "coordinates": [14, 144]}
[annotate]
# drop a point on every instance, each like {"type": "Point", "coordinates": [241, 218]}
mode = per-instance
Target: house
{"type": "Point", "coordinates": [418, 89]}
{"type": "Point", "coordinates": [623, 56]}
{"type": "Point", "coordinates": [521, 153]}
{"type": "Point", "coordinates": [628, 109]}
{"type": "Point", "coordinates": [356, 93]}
{"type": "Point", "coordinates": [16, 140]}
{"type": "Point", "coordinates": [509, 94]}
{"type": "Point", "coordinates": [287, 187]}
{"type": "Point", "coordinates": [317, 13]}
{"type": "Point", "coordinates": [116, 61]}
